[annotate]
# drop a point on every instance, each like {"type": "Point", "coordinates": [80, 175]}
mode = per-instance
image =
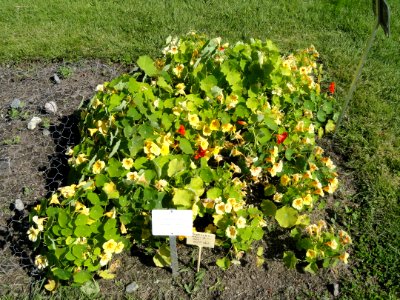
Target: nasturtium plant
{"type": "Point", "coordinates": [226, 130]}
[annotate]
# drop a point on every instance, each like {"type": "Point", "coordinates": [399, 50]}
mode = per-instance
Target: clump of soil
{"type": "Point", "coordinates": [33, 164]}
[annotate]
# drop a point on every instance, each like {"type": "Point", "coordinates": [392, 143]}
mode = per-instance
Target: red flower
{"type": "Point", "coordinates": [240, 122]}
{"type": "Point", "coordinates": [280, 138]}
{"type": "Point", "coordinates": [332, 88]}
{"type": "Point", "coordinates": [200, 153]}
{"type": "Point", "coordinates": [181, 130]}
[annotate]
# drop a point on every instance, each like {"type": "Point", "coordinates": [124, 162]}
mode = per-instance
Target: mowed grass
{"type": "Point", "coordinates": [368, 140]}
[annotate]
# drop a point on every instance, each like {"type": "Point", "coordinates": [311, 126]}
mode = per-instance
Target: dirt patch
{"type": "Point", "coordinates": [32, 164]}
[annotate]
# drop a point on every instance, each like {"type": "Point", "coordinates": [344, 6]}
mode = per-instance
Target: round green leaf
{"type": "Point", "coordinates": [286, 216]}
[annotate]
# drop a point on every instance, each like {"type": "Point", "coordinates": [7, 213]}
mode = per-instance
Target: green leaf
{"type": "Point", "coordinates": [82, 231]}
{"type": "Point", "coordinates": [286, 216]}
{"type": "Point", "coordinates": [81, 219]}
{"type": "Point", "coordinates": [134, 114]}
{"type": "Point", "coordinates": [288, 153]}
{"type": "Point", "coordinates": [63, 219]}
{"type": "Point", "coordinates": [147, 65]}
{"type": "Point", "coordinates": [311, 268]}
{"type": "Point", "coordinates": [100, 180]}
{"type": "Point", "coordinates": [257, 234]}
{"type": "Point", "coordinates": [96, 212]}
{"type": "Point", "coordinates": [82, 276]}
{"type": "Point", "coordinates": [139, 162]}
{"type": "Point", "coordinates": [206, 174]}
{"type": "Point", "coordinates": [77, 250]}
{"type": "Point", "coordinates": [162, 258]}
{"type": "Point", "coordinates": [185, 146]}
{"type": "Point", "coordinates": [269, 190]}
{"type": "Point", "coordinates": [196, 186]}
{"type": "Point", "coordinates": [114, 168]}
{"type": "Point", "coordinates": [90, 288]}
{"type": "Point", "coordinates": [321, 116]}
{"type": "Point", "coordinates": [61, 273]}
{"type": "Point", "coordinates": [175, 166]}
{"type": "Point", "coordinates": [223, 263]}
{"type": "Point", "coordinates": [252, 103]}
{"type": "Point", "coordinates": [289, 259]}
{"type": "Point", "coordinates": [208, 83]}
{"type": "Point", "coordinates": [162, 83]}
{"type": "Point", "coordinates": [214, 193]}
{"type": "Point", "coordinates": [327, 107]}
{"type": "Point", "coordinates": [183, 198]}
{"type": "Point", "coordinates": [330, 126]}
{"type": "Point", "coordinates": [268, 208]}
{"type": "Point", "coordinates": [115, 148]}
{"type": "Point", "coordinates": [93, 198]}
{"type": "Point", "coordinates": [271, 123]}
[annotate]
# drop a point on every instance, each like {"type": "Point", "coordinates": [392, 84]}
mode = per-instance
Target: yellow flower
{"type": "Point", "coordinates": [127, 163]}
{"type": "Point", "coordinates": [111, 214]}
{"type": "Point", "coordinates": [285, 180]}
{"type": "Point", "coordinates": [215, 125]}
{"type": "Point", "coordinates": [330, 189]}
{"type": "Point", "coordinates": [39, 222]}
{"type": "Point", "coordinates": [98, 166]}
{"type": "Point", "coordinates": [92, 131]}
{"type": "Point", "coordinates": [277, 114]}
{"type": "Point", "coordinates": [276, 168]}
{"type": "Point", "coordinates": [332, 244]}
{"type": "Point", "coordinates": [109, 188]}
{"type": "Point", "coordinates": [228, 207]}
{"type": "Point", "coordinates": [274, 152]}
{"type": "Point", "coordinates": [316, 183]}
{"type": "Point", "coordinates": [180, 89]}
{"type": "Point", "coordinates": [81, 241]}
{"type": "Point", "coordinates": [344, 237]}
{"type": "Point", "coordinates": [231, 232]}
{"type": "Point", "coordinates": [236, 152]}
{"type": "Point", "coordinates": [308, 113]}
{"type": "Point", "coordinates": [132, 176]}
{"type": "Point", "coordinates": [208, 203]}
{"type": "Point", "coordinates": [33, 234]}
{"type": "Point", "coordinates": [193, 120]}
{"type": "Point", "coordinates": [311, 253]}
{"type": "Point", "coordinates": [178, 70]}
{"type": "Point", "coordinates": [300, 126]}
{"type": "Point", "coordinates": [102, 127]}
{"type": "Point", "coordinates": [151, 148]}
{"type": "Point", "coordinates": [227, 127]}
{"type": "Point", "coordinates": [206, 130]}
{"type": "Point", "coordinates": [344, 257]}
{"type": "Point", "coordinates": [177, 110]}
{"type": "Point", "coordinates": [231, 101]}
{"type": "Point", "coordinates": [313, 167]}
{"type": "Point", "coordinates": [235, 168]}
{"type": "Point", "coordinates": [241, 222]}
{"type": "Point", "coordinates": [161, 184]}
{"type": "Point", "coordinates": [119, 247]}
{"type": "Point", "coordinates": [328, 162]}
{"type": "Point", "coordinates": [51, 285]}
{"type": "Point", "coordinates": [308, 200]}
{"type": "Point", "coordinates": [164, 149]}
{"type": "Point", "coordinates": [109, 246]}
{"type": "Point", "coordinates": [255, 171]}
{"type": "Point", "coordinates": [318, 150]}
{"type": "Point", "coordinates": [123, 229]}
{"type": "Point", "coordinates": [69, 152]}
{"type": "Point", "coordinates": [37, 207]}
{"type": "Point", "coordinates": [220, 208]}
{"type": "Point", "coordinates": [311, 128]}
{"type": "Point", "coordinates": [54, 199]}
{"type": "Point", "coordinates": [202, 142]}
{"type": "Point", "coordinates": [100, 88]}
{"type": "Point", "coordinates": [312, 229]}
{"type": "Point", "coordinates": [296, 177]}
{"type": "Point", "coordinates": [41, 262]}
{"type": "Point", "coordinates": [319, 191]}
{"type": "Point", "coordinates": [80, 159]}
{"type": "Point", "coordinates": [277, 197]}
{"type": "Point", "coordinates": [298, 203]}
{"type": "Point", "coordinates": [68, 191]}
{"type": "Point", "coordinates": [105, 258]}
{"type": "Point", "coordinates": [307, 175]}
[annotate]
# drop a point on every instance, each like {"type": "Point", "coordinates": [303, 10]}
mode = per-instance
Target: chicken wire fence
{"type": "Point", "coordinates": [38, 121]}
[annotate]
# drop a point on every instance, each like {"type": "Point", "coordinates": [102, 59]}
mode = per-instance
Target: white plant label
{"type": "Point", "coordinates": [170, 222]}
{"type": "Point", "coordinates": [201, 239]}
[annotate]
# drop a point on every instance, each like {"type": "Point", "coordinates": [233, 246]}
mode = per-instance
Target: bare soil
{"type": "Point", "coordinates": [32, 165]}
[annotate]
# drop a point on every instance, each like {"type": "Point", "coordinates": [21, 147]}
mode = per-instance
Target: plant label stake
{"type": "Point", "coordinates": [201, 239]}
{"type": "Point", "coordinates": [171, 222]}
{"type": "Point", "coordinates": [382, 13]}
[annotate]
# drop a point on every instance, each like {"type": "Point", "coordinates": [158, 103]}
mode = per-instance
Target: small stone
{"type": "Point", "coordinates": [5, 165]}
{"type": "Point", "coordinates": [335, 289]}
{"type": "Point", "coordinates": [55, 78]}
{"type": "Point", "coordinates": [51, 107]}
{"type": "Point", "coordinates": [46, 132]}
{"type": "Point", "coordinates": [16, 103]}
{"type": "Point", "coordinates": [19, 205]}
{"type": "Point", "coordinates": [130, 288]}
{"type": "Point", "coordinates": [34, 122]}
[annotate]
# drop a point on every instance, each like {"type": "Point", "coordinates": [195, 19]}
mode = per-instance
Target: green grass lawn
{"type": "Point", "coordinates": [369, 138]}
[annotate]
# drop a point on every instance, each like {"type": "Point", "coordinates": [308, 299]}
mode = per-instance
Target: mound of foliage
{"type": "Point", "coordinates": [227, 131]}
